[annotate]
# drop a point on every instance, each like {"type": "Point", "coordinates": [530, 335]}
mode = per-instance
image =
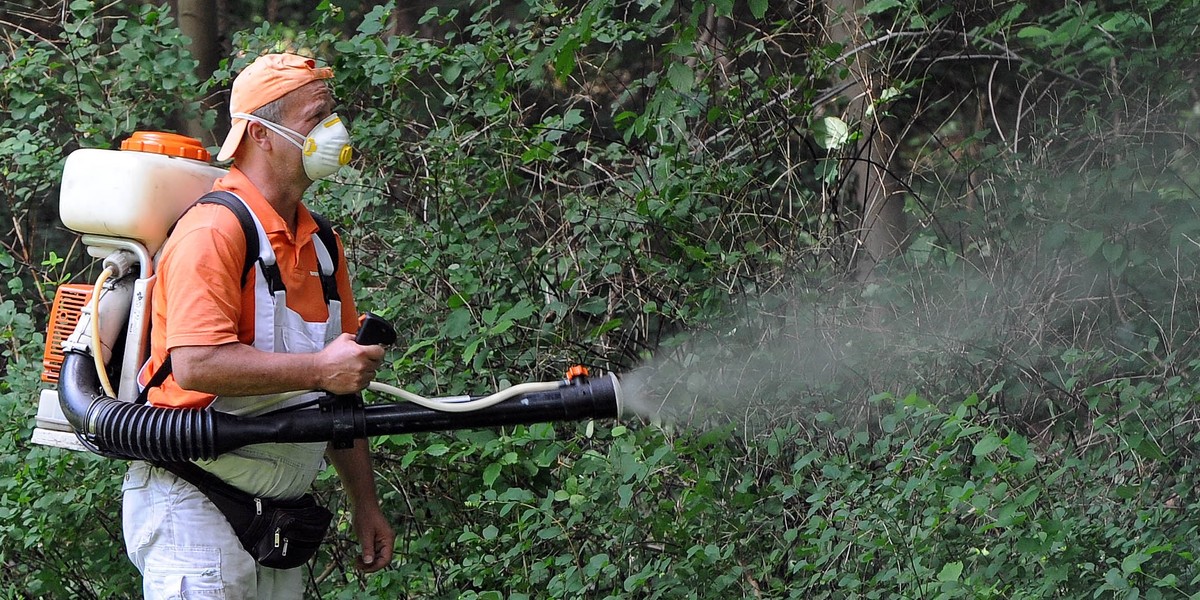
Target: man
{"type": "Point", "coordinates": [233, 345]}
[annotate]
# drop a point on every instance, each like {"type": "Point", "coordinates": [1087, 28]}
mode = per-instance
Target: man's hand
{"type": "Point", "coordinates": [376, 538]}
{"type": "Point", "coordinates": [375, 535]}
{"type": "Point", "coordinates": [346, 366]}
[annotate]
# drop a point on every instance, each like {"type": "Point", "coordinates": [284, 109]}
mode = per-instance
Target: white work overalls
{"type": "Point", "coordinates": [176, 537]}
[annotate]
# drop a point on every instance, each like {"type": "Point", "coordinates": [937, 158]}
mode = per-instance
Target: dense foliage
{"type": "Point", "coordinates": [1005, 409]}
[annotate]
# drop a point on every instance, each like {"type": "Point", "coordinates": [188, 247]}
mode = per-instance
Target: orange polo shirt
{"type": "Point", "coordinates": [199, 300]}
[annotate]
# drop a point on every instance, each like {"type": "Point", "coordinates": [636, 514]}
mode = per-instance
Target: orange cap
{"type": "Point", "coordinates": [266, 80]}
{"type": "Point", "coordinates": [170, 144]}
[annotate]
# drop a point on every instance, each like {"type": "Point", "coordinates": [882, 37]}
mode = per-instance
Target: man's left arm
{"type": "Point", "coordinates": [375, 534]}
{"type": "Point", "coordinates": [353, 465]}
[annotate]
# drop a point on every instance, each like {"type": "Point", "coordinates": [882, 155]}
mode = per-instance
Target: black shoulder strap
{"type": "Point", "coordinates": [157, 379]}
{"type": "Point", "coordinates": [327, 237]}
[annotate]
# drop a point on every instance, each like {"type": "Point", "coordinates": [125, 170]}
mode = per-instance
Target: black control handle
{"type": "Point", "coordinates": [374, 329]}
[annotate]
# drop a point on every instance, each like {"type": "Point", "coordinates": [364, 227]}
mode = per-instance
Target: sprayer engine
{"type": "Point", "coordinates": [124, 203]}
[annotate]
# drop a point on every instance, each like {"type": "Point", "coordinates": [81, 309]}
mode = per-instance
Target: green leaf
{"type": "Point", "coordinates": [564, 61]}
{"type": "Point", "coordinates": [1090, 242]}
{"type": "Point", "coordinates": [1171, 580]}
{"type": "Point", "coordinates": [522, 310]}
{"type": "Point", "coordinates": [451, 72]}
{"type": "Point", "coordinates": [470, 350]}
{"type": "Point", "coordinates": [951, 572]}
{"type": "Point", "coordinates": [828, 170]}
{"type": "Point", "coordinates": [831, 132]}
{"type": "Point", "coordinates": [374, 21]}
{"type": "Point", "coordinates": [1112, 252]}
{"type": "Point", "coordinates": [490, 474]}
{"type": "Point", "coordinates": [594, 306]}
{"type": "Point", "coordinates": [695, 253]}
{"type": "Point", "coordinates": [680, 77]}
{"type": "Point", "coordinates": [1148, 448]}
{"type": "Point", "coordinates": [758, 8]}
{"type": "Point", "coordinates": [1133, 563]}
{"type": "Point", "coordinates": [1127, 492]}
{"type": "Point", "coordinates": [458, 324]}
{"type": "Point", "coordinates": [550, 533]}
{"type": "Point", "coordinates": [877, 6]}
{"type": "Point", "coordinates": [1028, 496]}
{"type": "Point", "coordinates": [987, 445]}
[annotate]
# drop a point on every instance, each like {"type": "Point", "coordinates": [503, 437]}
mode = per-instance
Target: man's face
{"type": "Point", "coordinates": [303, 109]}
{"type": "Point", "coordinates": [307, 106]}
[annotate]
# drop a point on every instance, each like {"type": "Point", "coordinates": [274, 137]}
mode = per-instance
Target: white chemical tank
{"type": "Point", "coordinates": [136, 192]}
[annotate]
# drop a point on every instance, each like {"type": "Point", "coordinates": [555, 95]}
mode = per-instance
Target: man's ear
{"type": "Point", "coordinates": [257, 133]}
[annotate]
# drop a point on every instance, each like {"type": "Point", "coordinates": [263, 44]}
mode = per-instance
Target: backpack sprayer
{"type": "Point", "coordinates": [124, 202]}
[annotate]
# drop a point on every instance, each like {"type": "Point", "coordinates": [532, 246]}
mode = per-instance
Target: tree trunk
{"type": "Point", "coordinates": [873, 192]}
{"type": "Point", "coordinates": [198, 21]}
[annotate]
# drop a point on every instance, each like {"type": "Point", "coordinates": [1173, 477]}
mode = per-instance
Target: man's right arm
{"type": "Point", "coordinates": [235, 369]}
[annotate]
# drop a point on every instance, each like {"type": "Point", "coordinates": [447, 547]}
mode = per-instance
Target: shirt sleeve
{"type": "Point", "coordinates": [202, 271]}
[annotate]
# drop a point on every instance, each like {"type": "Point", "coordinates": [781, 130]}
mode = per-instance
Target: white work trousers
{"type": "Point", "coordinates": [185, 548]}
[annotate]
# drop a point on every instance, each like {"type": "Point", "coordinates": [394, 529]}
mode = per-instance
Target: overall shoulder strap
{"type": "Point", "coordinates": [329, 240]}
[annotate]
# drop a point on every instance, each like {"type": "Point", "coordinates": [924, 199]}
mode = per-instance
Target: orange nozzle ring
{"type": "Point", "coordinates": [576, 371]}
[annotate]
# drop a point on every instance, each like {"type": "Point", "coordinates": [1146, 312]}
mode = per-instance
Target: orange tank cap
{"type": "Point", "coordinates": [576, 371]}
{"type": "Point", "coordinates": [169, 144]}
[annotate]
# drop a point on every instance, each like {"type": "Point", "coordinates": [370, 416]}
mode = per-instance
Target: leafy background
{"type": "Point", "coordinates": [1005, 408]}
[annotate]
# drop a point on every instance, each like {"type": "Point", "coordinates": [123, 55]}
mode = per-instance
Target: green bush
{"type": "Point", "coordinates": [539, 185]}
{"type": "Point", "coordinates": [87, 81]}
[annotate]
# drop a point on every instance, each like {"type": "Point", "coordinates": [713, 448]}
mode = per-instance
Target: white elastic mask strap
{"type": "Point", "coordinates": [277, 128]}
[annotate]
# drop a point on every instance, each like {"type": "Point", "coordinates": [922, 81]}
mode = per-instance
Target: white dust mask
{"type": "Point", "coordinates": [324, 150]}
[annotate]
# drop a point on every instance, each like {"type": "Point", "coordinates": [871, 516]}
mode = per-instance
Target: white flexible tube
{"type": "Point", "coordinates": [453, 404]}
{"type": "Point", "coordinates": [97, 346]}
{"type": "Point", "coordinates": [460, 404]}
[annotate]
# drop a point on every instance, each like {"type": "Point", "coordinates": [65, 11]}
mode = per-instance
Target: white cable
{"type": "Point", "coordinates": [460, 404]}
{"type": "Point", "coordinates": [97, 346]}
{"type": "Point", "coordinates": [452, 404]}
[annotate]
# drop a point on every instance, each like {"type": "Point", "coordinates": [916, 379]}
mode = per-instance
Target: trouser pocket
{"type": "Point", "coordinates": [184, 573]}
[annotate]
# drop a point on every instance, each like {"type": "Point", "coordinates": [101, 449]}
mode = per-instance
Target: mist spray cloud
{"type": "Point", "coordinates": [947, 331]}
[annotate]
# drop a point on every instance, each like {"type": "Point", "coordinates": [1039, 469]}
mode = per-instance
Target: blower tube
{"type": "Point", "coordinates": [126, 430]}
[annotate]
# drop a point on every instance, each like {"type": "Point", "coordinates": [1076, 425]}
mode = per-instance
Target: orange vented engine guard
{"type": "Point", "coordinates": [69, 301]}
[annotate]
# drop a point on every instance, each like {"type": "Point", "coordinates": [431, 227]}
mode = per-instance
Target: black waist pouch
{"type": "Point", "coordinates": [280, 534]}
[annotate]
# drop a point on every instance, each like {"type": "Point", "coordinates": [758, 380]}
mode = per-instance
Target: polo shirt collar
{"type": "Point", "coordinates": [237, 182]}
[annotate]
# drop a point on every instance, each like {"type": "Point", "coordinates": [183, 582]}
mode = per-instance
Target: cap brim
{"type": "Point", "coordinates": [236, 131]}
